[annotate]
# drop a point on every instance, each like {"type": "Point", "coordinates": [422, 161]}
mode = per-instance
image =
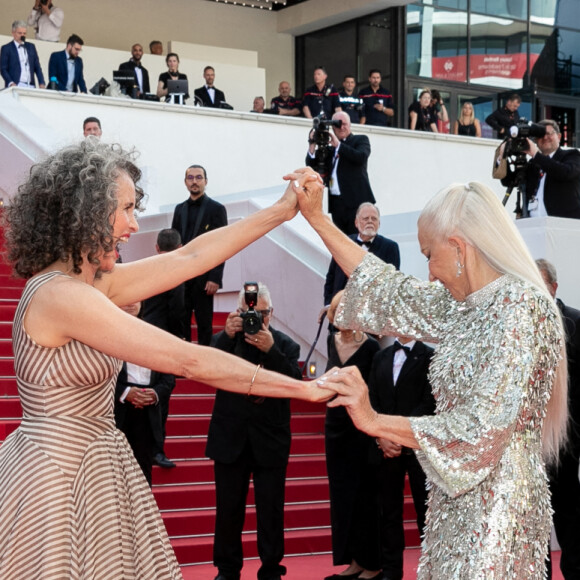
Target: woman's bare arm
{"type": "Point", "coordinates": [135, 281]}
{"type": "Point", "coordinates": [66, 309]}
{"type": "Point", "coordinates": [310, 192]}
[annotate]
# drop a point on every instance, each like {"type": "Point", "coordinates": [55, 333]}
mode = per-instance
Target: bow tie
{"type": "Point", "coordinates": [366, 245]}
{"type": "Point", "coordinates": [398, 346]}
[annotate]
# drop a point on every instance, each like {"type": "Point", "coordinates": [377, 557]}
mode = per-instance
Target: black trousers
{"type": "Point", "coordinates": [201, 304]}
{"type": "Point", "coordinates": [232, 482]}
{"type": "Point", "coordinates": [565, 489]}
{"type": "Point", "coordinates": [159, 426]}
{"type": "Point", "coordinates": [136, 426]}
{"type": "Point", "coordinates": [391, 488]}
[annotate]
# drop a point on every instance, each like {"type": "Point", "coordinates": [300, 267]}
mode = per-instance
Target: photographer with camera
{"type": "Point", "coordinates": [341, 159]}
{"type": "Point", "coordinates": [250, 436]}
{"type": "Point", "coordinates": [47, 20]}
{"type": "Point", "coordinates": [552, 175]}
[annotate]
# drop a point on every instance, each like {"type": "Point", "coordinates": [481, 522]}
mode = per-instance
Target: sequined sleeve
{"type": "Point", "coordinates": [382, 300]}
{"type": "Point", "coordinates": [494, 382]}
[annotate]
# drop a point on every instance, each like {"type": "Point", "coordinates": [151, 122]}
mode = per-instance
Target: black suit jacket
{"type": "Point", "coordinates": [262, 422]}
{"type": "Point", "coordinates": [57, 67]}
{"type": "Point", "coordinates": [352, 175]}
{"type": "Point", "coordinates": [562, 186]}
{"type": "Point", "coordinates": [382, 247]}
{"type": "Point", "coordinates": [206, 99]}
{"type": "Point", "coordinates": [130, 66]}
{"type": "Point", "coordinates": [160, 382]}
{"type": "Point", "coordinates": [571, 318]}
{"type": "Point", "coordinates": [411, 396]}
{"type": "Point", "coordinates": [215, 216]}
{"type": "Point", "coordinates": [167, 311]}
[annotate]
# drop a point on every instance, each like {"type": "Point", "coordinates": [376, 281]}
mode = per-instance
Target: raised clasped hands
{"type": "Point", "coordinates": [351, 393]}
{"type": "Point", "coordinates": [308, 190]}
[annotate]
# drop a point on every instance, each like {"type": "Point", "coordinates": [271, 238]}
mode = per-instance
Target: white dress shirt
{"type": "Point", "coordinates": [47, 25]}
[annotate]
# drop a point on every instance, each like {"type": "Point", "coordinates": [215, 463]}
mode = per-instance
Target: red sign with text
{"type": "Point", "coordinates": [509, 66]}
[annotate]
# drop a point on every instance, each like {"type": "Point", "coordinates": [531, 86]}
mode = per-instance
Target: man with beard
{"type": "Point", "coordinates": [141, 74]}
{"type": "Point", "coordinates": [191, 218]}
{"type": "Point", "coordinates": [66, 66]}
{"type": "Point", "coordinates": [378, 101]}
{"type": "Point", "coordinates": [367, 222]}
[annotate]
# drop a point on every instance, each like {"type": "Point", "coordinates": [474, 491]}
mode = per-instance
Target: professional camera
{"type": "Point", "coordinates": [519, 133]}
{"type": "Point", "coordinates": [251, 318]}
{"type": "Point", "coordinates": [515, 161]}
{"type": "Point", "coordinates": [320, 136]}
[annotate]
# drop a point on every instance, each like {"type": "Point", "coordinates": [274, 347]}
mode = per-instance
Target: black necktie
{"type": "Point", "coordinates": [397, 346]}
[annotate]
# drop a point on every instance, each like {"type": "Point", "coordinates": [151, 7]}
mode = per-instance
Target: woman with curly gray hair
{"type": "Point", "coordinates": [73, 501]}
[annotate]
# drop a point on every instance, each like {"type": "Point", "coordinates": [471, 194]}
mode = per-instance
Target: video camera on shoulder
{"type": "Point", "coordinates": [251, 318]}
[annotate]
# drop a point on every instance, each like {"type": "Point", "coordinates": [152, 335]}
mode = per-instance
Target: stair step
{"type": "Point", "coordinates": [198, 425]}
{"type": "Point", "coordinates": [202, 522]}
{"type": "Point", "coordinates": [8, 387]}
{"type": "Point", "coordinates": [199, 549]}
{"type": "Point", "coordinates": [194, 447]}
{"type": "Point", "coordinates": [202, 495]}
{"type": "Point", "coordinates": [202, 470]}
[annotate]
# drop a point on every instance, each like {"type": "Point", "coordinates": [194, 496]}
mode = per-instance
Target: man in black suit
{"type": "Point", "coordinates": [250, 436]}
{"type": "Point", "coordinates": [552, 176]}
{"type": "Point", "coordinates": [192, 218]}
{"type": "Point", "coordinates": [367, 223]}
{"type": "Point", "coordinates": [564, 483]}
{"type": "Point", "coordinates": [166, 311]}
{"type": "Point", "coordinates": [66, 66]}
{"type": "Point", "coordinates": [19, 60]}
{"type": "Point", "coordinates": [137, 413]}
{"type": "Point", "coordinates": [208, 94]}
{"type": "Point", "coordinates": [345, 173]}
{"type": "Point", "coordinates": [398, 385]}
{"type": "Point", "coordinates": [141, 74]}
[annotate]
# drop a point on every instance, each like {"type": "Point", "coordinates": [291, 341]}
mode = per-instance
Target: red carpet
{"type": "Point", "coordinates": [317, 567]}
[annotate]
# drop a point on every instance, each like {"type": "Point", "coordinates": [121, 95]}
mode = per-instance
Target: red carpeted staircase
{"type": "Point", "coordinates": [186, 494]}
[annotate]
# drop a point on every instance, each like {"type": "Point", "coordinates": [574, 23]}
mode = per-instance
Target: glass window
{"type": "Point", "coordinates": [375, 37]}
{"type": "Point", "coordinates": [498, 52]}
{"type": "Point", "coordinates": [543, 11]}
{"type": "Point", "coordinates": [568, 13]}
{"type": "Point", "coordinates": [436, 43]}
{"type": "Point", "coordinates": [333, 48]}
{"type": "Point", "coordinates": [555, 59]}
{"type": "Point", "coordinates": [511, 8]}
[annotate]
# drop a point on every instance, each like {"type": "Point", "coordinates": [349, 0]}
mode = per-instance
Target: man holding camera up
{"type": "Point", "coordinates": [552, 176]}
{"type": "Point", "coordinates": [250, 436]}
{"type": "Point", "coordinates": [47, 20]}
{"type": "Point", "coordinates": [345, 172]}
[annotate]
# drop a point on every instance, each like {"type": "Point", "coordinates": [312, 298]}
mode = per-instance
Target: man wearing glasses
{"type": "Point", "coordinates": [193, 217]}
{"type": "Point", "coordinates": [250, 436]}
{"type": "Point", "coordinates": [552, 176]}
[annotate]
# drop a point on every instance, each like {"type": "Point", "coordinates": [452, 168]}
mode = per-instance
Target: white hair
{"type": "Point", "coordinates": [472, 212]}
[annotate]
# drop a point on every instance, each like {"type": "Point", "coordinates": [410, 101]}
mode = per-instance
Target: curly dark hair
{"type": "Point", "coordinates": [65, 207]}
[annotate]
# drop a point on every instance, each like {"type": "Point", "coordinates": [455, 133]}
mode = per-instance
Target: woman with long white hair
{"type": "Point", "coordinates": [498, 375]}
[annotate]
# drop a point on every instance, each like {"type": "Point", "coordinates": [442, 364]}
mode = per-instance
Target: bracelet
{"type": "Point", "coordinates": [253, 379]}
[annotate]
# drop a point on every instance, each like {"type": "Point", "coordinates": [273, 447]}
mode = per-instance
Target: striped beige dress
{"type": "Point", "coordinates": [73, 502]}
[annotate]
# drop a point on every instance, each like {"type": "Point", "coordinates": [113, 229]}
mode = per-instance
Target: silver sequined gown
{"type": "Point", "coordinates": [489, 509]}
